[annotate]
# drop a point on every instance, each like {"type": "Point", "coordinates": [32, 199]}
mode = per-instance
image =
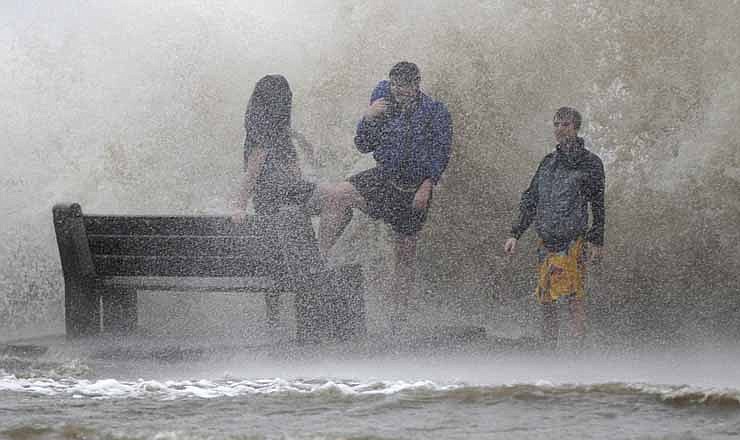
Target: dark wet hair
{"type": "Point", "coordinates": [268, 111]}
{"type": "Point", "coordinates": [569, 114]}
{"type": "Point", "coordinates": [405, 73]}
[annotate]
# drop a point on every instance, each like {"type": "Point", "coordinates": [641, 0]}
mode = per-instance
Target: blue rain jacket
{"type": "Point", "coordinates": [409, 146]}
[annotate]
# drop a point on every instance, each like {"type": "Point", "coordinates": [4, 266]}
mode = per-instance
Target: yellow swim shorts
{"type": "Point", "coordinates": [561, 274]}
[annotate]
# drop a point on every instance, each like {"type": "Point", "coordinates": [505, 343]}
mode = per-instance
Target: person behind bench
{"type": "Point", "coordinates": [272, 176]}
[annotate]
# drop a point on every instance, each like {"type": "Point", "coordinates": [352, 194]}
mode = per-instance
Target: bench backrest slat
{"type": "Point", "coordinates": [168, 225]}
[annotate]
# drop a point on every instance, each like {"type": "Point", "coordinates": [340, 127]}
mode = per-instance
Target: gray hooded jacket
{"type": "Point", "coordinates": [558, 197]}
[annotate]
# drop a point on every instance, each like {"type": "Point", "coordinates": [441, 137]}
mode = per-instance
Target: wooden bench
{"type": "Point", "coordinates": [107, 259]}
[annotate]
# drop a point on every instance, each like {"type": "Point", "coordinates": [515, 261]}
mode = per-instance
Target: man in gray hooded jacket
{"type": "Point", "coordinates": [566, 182]}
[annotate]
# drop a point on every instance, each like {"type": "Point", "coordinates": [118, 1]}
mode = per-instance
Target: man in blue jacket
{"type": "Point", "coordinates": [410, 136]}
{"type": "Point", "coordinates": [567, 182]}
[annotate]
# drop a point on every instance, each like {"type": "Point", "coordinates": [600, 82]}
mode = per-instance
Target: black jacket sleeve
{"type": "Point", "coordinates": [527, 206]}
{"type": "Point", "coordinates": [595, 194]}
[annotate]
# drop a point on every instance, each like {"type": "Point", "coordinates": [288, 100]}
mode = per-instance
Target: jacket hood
{"type": "Point", "coordinates": [575, 156]}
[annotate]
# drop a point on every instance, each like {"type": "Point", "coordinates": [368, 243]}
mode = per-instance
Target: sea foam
{"type": "Point", "coordinates": [213, 389]}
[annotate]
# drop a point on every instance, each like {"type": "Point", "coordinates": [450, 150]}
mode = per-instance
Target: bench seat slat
{"type": "Point", "coordinates": [258, 265]}
{"type": "Point", "coordinates": [189, 245]}
{"type": "Point", "coordinates": [199, 284]}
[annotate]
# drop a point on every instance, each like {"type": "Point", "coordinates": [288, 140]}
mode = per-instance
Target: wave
{"type": "Point", "coordinates": [75, 431]}
{"type": "Point", "coordinates": [676, 395]}
{"type": "Point", "coordinates": [34, 368]}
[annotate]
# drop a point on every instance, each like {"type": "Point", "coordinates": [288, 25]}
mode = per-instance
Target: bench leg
{"type": "Point", "coordinates": [272, 307]}
{"type": "Point", "coordinates": [333, 308]}
{"type": "Point", "coordinates": [81, 310]}
{"type": "Point", "coordinates": [307, 315]}
{"type": "Point", "coordinates": [347, 309]}
{"type": "Point", "coordinates": [119, 311]}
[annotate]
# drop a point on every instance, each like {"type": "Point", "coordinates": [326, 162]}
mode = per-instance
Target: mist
{"type": "Point", "coordinates": [137, 107]}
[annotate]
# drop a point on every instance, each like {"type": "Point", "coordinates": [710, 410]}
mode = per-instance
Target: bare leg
{"type": "Point", "coordinates": [336, 212]}
{"type": "Point", "coordinates": [404, 277]}
{"type": "Point", "coordinates": [550, 324]}
{"type": "Point", "coordinates": [577, 318]}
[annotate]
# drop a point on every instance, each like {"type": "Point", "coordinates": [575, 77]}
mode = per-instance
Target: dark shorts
{"type": "Point", "coordinates": [387, 202]}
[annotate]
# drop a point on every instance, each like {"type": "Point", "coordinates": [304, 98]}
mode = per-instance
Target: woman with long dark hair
{"type": "Point", "coordinates": [272, 176]}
